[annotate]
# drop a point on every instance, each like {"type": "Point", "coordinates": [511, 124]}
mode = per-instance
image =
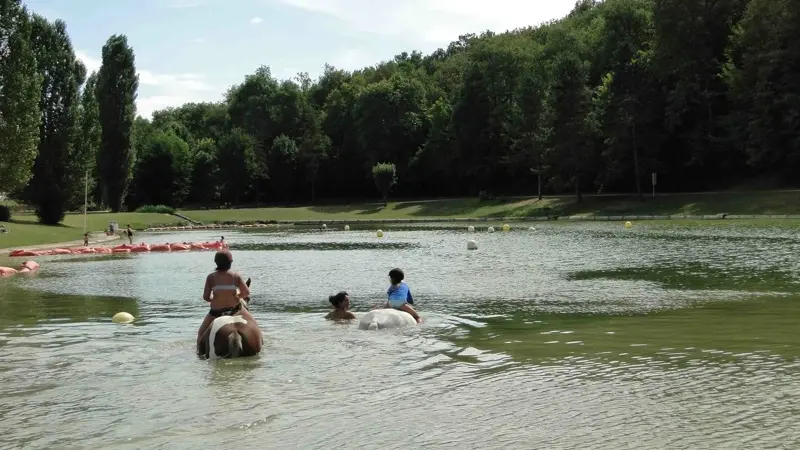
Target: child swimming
{"type": "Point", "coordinates": [341, 304]}
{"type": "Point", "coordinates": [399, 294]}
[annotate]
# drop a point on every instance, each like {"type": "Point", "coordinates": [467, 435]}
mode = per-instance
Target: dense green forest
{"type": "Point", "coordinates": [706, 93]}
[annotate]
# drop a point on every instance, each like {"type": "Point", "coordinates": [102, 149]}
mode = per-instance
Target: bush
{"type": "Point", "coordinates": [159, 209]}
{"type": "Point", "coordinates": [385, 177]}
{"type": "Point", "coordinates": [50, 211]}
{"type": "Point", "coordinates": [5, 213]}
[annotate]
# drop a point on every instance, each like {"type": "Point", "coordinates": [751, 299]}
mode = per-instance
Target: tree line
{"type": "Point", "coordinates": [705, 93]}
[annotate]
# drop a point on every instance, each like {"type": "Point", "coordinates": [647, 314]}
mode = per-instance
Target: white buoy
{"type": "Point", "coordinates": [347, 228]}
{"type": "Point", "coordinates": [472, 245]}
{"type": "Point", "coordinates": [379, 233]}
{"type": "Point", "coordinates": [490, 230]}
{"type": "Point", "coordinates": [122, 317]}
{"type": "Point", "coordinates": [506, 227]}
{"type": "Point", "coordinates": [324, 226]}
{"type": "Point", "coordinates": [532, 229]}
{"type": "Point", "coordinates": [471, 229]}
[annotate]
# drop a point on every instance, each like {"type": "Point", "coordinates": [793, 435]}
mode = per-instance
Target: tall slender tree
{"type": "Point", "coordinates": [117, 86]}
{"type": "Point", "coordinates": [52, 183]}
{"type": "Point", "coordinates": [20, 88]}
{"type": "Point", "coordinates": [87, 142]}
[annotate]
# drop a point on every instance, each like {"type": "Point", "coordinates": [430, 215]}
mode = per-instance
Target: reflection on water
{"type": "Point", "coordinates": [570, 336]}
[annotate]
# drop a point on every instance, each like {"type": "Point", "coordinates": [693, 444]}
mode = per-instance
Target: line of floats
{"type": "Point", "coordinates": [26, 267]}
{"type": "Point", "coordinates": [124, 248]}
{"type": "Point", "coordinates": [213, 226]}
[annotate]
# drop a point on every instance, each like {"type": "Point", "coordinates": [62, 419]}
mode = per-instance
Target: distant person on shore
{"type": "Point", "coordinates": [129, 231]}
{"type": "Point", "coordinates": [341, 305]}
{"type": "Point", "coordinates": [85, 239]}
{"type": "Point", "coordinates": [399, 294]}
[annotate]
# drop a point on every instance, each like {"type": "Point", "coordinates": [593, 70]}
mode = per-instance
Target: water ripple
{"type": "Point", "coordinates": [573, 336]}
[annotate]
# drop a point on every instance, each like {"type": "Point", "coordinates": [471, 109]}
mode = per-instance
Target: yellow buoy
{"type": "Point", "coordinates": [506, 227]}
{"type": "Point", "coordinates": [380, 233]}
{"type": "Point", "coordinates": [347, 228]}
{"type": "Point", "coordinates": [122, 317]}
{"type": "Point", "coordinates": [628, 224]}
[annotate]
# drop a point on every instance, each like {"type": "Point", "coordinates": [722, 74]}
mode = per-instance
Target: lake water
{"type": "Point", "coordinates": [583, 335]}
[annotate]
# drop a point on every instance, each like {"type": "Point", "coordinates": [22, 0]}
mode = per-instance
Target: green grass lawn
{"type": "Point", "coordinates": [26, 231]}
{"type": "Point", "coordinates": [691, 204]}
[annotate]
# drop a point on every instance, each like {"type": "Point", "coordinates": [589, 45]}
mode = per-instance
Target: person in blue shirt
{"type": "Point", "coordinates": [400, 295]}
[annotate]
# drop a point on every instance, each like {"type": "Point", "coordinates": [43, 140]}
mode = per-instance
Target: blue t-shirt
{"type": "Point", "coordinates": [399, 293]}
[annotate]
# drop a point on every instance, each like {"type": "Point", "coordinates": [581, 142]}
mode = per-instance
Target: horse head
{"type": "Point", "coordinates": [246, 300]}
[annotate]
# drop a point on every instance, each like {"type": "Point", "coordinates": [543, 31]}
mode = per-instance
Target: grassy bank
{"type": "Point", "coordinates": [748, 203]}
{"type": "Point", "coordinates": [26, 231]}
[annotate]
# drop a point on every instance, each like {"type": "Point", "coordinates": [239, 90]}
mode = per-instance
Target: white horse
{"type": "Point", "coordinates": [382, 318]}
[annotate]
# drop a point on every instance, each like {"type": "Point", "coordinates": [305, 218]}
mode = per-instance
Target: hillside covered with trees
{"type": "Point", "coordinates": [706, 93]}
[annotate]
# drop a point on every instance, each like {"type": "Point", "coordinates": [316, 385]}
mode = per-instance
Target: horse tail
{"type": "Point", "coordinates": [373, 325]}
{"type": "Point", "coordinates": [234, 345]}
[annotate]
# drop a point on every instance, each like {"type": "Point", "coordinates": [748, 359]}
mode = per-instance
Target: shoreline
{"type": "Point", "coordinates": [68, 244]}
{"type": "Point", "coordinates": [277, 223]}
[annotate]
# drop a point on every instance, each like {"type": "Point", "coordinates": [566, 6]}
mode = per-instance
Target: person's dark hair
{"type": "Point", "coordinates": [223, 259]}
{"type": "Point", "coordinates": [396, 275]}
{"type": "Point", "coordinates": [336, 300]}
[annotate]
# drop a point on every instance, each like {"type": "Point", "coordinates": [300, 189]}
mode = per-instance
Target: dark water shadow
{"type": "Point", "coordinates": [283, 246]}
{"type": "Point", "coordinates": [700, 276]}
{"type": "Point", "coordinates": [713, 329]}
{"type": "Point", "coordinates": [22, 308]}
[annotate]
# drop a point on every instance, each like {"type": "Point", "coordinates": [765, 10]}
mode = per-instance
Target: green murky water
{"type": "Point", "coordinates": [586, 335]}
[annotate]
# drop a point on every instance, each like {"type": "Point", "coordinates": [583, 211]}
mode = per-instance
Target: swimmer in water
{"type": "Point", "coordinates": [341, 305]}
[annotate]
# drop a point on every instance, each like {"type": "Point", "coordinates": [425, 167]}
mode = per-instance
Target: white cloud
{"type": "Point", "coordinates": [92, 64]}
{"type": "Point", "coordinates": [256, 20]}
{"type": "Point", "coordinates": [352, 59]}
{"type": "Point", "coordinates": [437, 21]}
{"type": "Point", "coordinates": [160, 90]}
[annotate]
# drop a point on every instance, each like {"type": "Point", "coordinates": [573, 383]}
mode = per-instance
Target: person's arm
{"type": "Point", "coordinates": [207, 290]}
{"type": "Point", "coordinates": [409, 298]}
{"type": "Point", "coordinates": [328, 316]}
{"type": "Point", "coordinates": [244, 291]}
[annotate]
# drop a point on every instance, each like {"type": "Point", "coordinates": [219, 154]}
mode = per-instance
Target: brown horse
{"type": "Point", "coordinates": [231, 336]}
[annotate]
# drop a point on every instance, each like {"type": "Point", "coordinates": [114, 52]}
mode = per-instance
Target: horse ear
{"type": "Point", "coordinates": [248, 281]}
